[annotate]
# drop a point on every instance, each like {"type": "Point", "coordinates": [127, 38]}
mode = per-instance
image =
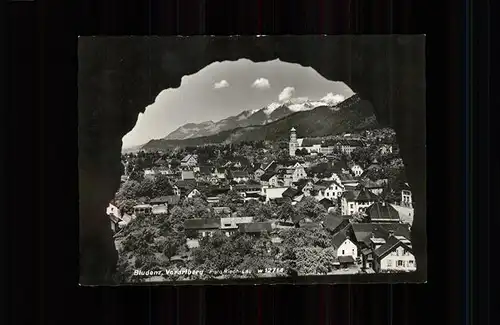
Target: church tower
{"type": "Point", "coordinates": [293, 144]}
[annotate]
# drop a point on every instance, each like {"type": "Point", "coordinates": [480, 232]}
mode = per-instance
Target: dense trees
{"type": "Point", "coordinates": [309, 208]}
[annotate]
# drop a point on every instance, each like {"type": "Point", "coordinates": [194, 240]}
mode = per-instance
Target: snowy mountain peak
{"type": "Point", "coordinates": [267, 114]}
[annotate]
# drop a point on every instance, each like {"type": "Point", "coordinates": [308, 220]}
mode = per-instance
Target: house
{"type": "Point", "coordinates": [204, 173]}
{"type": "Point", "coordinates": [230, 225]}
{"type": "Point", "coordinates": [331, 190]}
{"type": "Point", "coordinates": [297, 172]}
{"type": "Point", "coordinates": [382, 212]}
{"type": "Point", "coordinates": [357, 201]}
{"type": "Point", "coordinates": [356, 170]}
{"type": "Point", "coordinates": [406, 197]}
{"type": "Point", "coordinates": [258, 173]}
{"type": "Point", "coordinates": [187, 175]}
{"type": "Point", "coordinates": [328, 204]}
{"type": "Point", "coordinates": [269, 179]}
{"type": "Point", "coordinates": [385, 149]}
{"type": "Point", "coordinates": [149, 173]}
{"type": "Point", "coordinates": [347, 146]}
{"type": "Point", "coordinates": [193, 193]}
{"type": "Point", "coordinates": [374, 187]}
{"type": "Point", "coordinates": [113, 210]}
{"type": "Point", "coordinates": [213, 194]}
{"type": "Point", "coordinates": [159, 209]}
{"type": "Point", "coordinates": [240, 176]}
{"type": "Point", "coordinates": [222, 210]}
{"type": "Point", "coordinates": [335, 223]}
{"type": "Point", "coordinates": [273, 193]}
{"type": "Point", "coordinates": [195, 228]}
{"type": "Point", "coordinates": [343, 245]}
{"type": "Point", "coordinates": [255, 228]}
{"type": "Point", "coordinates": [143, 209]}
{"type": "Point", "coordinates": [189, 161]}
{"type": "Point", "coordinates": [219, 173]}
{"type": "Point", "coordinates": [394, 255]}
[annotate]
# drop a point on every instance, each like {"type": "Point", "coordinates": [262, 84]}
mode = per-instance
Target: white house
{"type": "Point", "coordinates": [193, 193]}
{"type": "Point", "coordinates": [258, 173]}
{"type": "Point", "coordinates": [240, 176]}
{"type": "Point", "coordinates": [298, 172]}
{"type": "Point", "coordinates": [230, 225]}
{"type": "Point", "coordinates": [357, 201]}
{"type": "Point", "coordinates": [406, 199]}
{"type": "Point", "coordinates": [344, 246]}
{"type": "Point", "coordinates": [149, 173]}
{"type": "Point", "coordinates": [272, 193]}
{"type": "Point", "coordinates": [269, 179]}
{"type": "Point", "coordinates": [189, 161]}
{"type": "Point", "coordinates": [328, 189]}
{"type": "Point", "coordinates": [113, 210]}
{"type": "Point", "coordinates": [187, 175]}
{"type": "Point", "coordinates": [357, 170]}
{"type": "Point", "coordinates": [394, 255]}
{"type": "Point", "coordinates": [385, 149]}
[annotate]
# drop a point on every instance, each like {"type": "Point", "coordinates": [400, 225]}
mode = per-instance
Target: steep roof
{"type": "Point", "coordinates": [169, 199]}
{"type": "Point", "coordinates": [206, 170]}
{"type": "Point", "coordinates": [368, 183]}
{"type": "Point", "coordinates": [327, 203]}
{"type": "Point", "coordinates": [267, 176]}
{"type": "Point", "coordinates": [239, 173]}
{"type": "Point", "coordinates": [290, 192]}
{"type": "Point", "coordinates": [206, 223]}
{"type": "Point", "coordinates": [332, 222]}
{"type": "Point", "coordinates": [351, 142]}
{"type": "Point", "coordinates": [360, 196]}
{"type": "Point", "coordinates": [364, 231]}
{"type": "Point", "coordinates": [187, 157]}
{"type": "Point", "coordinates": [310, 225]}
{"type": "Point", "coordinates": [339, 238]}
{"type": "Point", "coordinates": [255, 227]}
{"type": "Point", "coordinates": [310, 142]}
{"type": "Point", "coordinates": [392, 243]}
{"type": "Point", "coordinates": [382, 211]}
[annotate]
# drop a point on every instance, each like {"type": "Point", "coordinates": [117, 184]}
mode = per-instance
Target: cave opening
{"type": "Point", "coordinates": [118, 77]}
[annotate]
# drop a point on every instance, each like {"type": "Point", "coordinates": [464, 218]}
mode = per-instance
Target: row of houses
{"type": "Point", "coordinates": [373, 247]}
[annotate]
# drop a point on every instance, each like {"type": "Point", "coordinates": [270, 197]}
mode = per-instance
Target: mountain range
{"type": "Point", "coordinates": [352, 114]}
{"type": "Point", "coordinates": [265, 115]}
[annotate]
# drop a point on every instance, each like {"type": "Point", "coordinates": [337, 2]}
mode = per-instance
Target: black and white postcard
{"type": "Point", "coordinates": [252, 159]}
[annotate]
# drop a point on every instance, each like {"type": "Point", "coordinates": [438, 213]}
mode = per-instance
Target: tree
{"type": "Point", "coordinates": [308, 207]}
{"type": "Point", "coordinates": [363, 156]}
{"type": "Point", "coordinates": [175, 163]}
{"type": "Point", "coordinates": [128, 190]}
{"type": "Point", "coordinates": [161, 186]}
{"type": "Point", "coordinates": [286, 211]}
{"type": "Point", "coordinates": [358, 217]}
{"type": "Point", "coordinates": [146, 188]}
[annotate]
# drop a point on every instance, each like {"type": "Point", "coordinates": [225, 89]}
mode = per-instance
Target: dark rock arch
{"type": "Point", "coordinates": [120, 76]}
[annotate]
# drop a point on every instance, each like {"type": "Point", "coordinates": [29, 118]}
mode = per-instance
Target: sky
{"type": "Point", "coordinates": [227, 88]}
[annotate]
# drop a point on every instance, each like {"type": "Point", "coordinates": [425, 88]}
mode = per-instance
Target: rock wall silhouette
{"type": "Point", "coordinates": [120, 76]}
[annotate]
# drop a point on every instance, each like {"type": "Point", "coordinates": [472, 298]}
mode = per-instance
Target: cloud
{"type": "Point", "coordinates": [261, 83]}
{"type": "Point", "coordinates": [286, 94]}
{"type": "Point", "coordinates": [330, 98]}
{"type": "Point", "coordinates": [221, 84]}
